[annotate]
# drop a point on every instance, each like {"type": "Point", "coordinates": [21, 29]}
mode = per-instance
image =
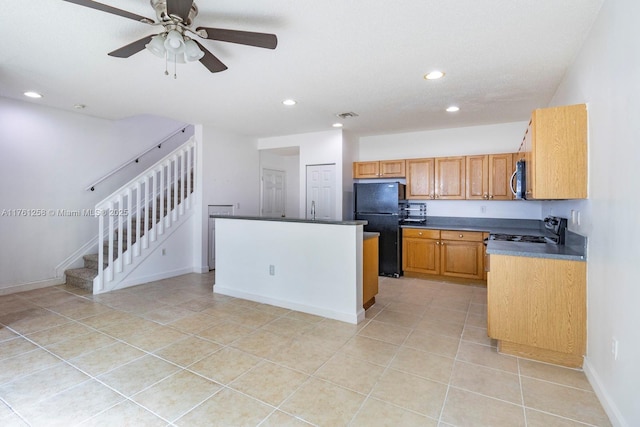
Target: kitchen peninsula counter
{"type": "Point", "coordinates": [311, 266]}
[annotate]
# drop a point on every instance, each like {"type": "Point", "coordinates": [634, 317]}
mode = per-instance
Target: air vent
{"type": "Point", "coordinates": [347, 115]}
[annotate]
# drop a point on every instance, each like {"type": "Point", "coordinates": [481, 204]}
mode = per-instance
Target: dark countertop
{"type": "Point", "coordinates": [369, 235]}
{"type": "Point", "coordinates": [574, 250]}
{"type": "Point", "coordinates": [307, 221]}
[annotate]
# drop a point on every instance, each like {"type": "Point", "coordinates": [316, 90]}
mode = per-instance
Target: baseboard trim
{"type": "Point", "coordinates": [331, 314]}
{"type": "Point", "coordinates": [23, 287]}
{"type": "Point", "coordinates": [154, 277]}
{"type": "Point", "coordinates": [616, 418]}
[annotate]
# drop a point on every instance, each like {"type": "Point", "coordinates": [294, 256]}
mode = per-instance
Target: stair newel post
{"type": "Point", "coordinates": [154, 207]}
{"type": "Point", "coordinates": [100, 251]}
{"type": "Point", "coordinates": [176, 180]}
{"type": "Point", "coordinates": [128, 210]}
{"type": "Point", "coordinates": [110, 242]}
{"type": "Point", "coordinates": [136, 252]}
{"type": "Point", "coordinates": [120, 230]}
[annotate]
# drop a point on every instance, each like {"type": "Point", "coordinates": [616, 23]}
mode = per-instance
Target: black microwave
{"type": "Point", "coordinates": [518, 181]}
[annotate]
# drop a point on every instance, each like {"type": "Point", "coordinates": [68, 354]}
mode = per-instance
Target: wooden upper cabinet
{"type": "Point", "coordinates": [450, 177]}
{"type": "Point", "coordinates": [477, 177]}
{"type": "Point", "coordinates": [366, 169]}
{"type": "Point", "coordinates": [420, 179]}
{"type": "Point", "coordinates": [379, 169]}
{"type": "Point", "coordinates": [500, 170]}
{"type": "Point", "coordinates": [489, 176]}
{"type": "Point", "coordinates": [555, 151]}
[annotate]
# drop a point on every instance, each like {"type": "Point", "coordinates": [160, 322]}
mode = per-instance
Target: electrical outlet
{"type": "Point", "coordinates": [483, 209]}
{"type": "Point", "coordinates": [272, 270]}
{"type": "Point", "coordinates": [614, 348]}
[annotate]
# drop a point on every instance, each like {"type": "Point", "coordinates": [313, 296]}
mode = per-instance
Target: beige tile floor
{"type": "Point", "coordinates": [174, 353]}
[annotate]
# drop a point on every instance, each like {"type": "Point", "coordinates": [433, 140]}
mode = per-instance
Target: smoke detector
{"type": "Point", "coordinates": [347, 115]}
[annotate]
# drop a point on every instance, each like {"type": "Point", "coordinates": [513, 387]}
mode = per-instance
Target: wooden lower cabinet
{"type": "Point", "coordinates": [449, 253]}
{"type": "Point", "coordinates": [462, 259]}
{"type": "Point", "coordinates": [537, 308]}
{"type": "Point", "coordinates": [369, 271]}
{"type": "Point", "coordinates": [421, 250]}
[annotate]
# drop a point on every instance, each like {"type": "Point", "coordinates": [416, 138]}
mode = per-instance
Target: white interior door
{"type": "Point", "coordinates": [321, 191]}
{"type": "Point", "coordinates": [273, 193]}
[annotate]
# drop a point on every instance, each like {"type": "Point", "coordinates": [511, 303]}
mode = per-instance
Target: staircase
{"type": "Point", "coordinates": [170, 183]}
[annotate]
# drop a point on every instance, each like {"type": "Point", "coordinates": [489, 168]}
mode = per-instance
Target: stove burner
{"type": "Point", "coordinates": [518, 238]}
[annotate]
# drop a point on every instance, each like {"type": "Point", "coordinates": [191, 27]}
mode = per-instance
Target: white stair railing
{"type": "Point", "coordinates": [143, 199]}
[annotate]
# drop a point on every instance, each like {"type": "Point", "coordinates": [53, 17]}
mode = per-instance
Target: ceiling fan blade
{"type": "Point", "coordinates": [179, 8]}
{"type": "Point", "coordinates": [268, 41]}
{"type": "Point", "coordinates": [131, 48]}
{"type": "Point", "coordinates": [209, 60]}
{"type": "Point", "coordinates": [109, 9]}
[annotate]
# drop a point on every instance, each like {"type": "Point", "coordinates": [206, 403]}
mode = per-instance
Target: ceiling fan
{"type": "Point", "coordinates": [176, 43]}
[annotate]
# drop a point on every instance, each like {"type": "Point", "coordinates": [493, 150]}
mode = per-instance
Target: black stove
{"type": "Point", "coordinates": [553, 233]}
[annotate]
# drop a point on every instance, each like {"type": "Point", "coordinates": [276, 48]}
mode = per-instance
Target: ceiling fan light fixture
{"type": "Point", "coordinates": [174, 42]}
{"type": "Point", "coordinates": [434, 75]}
{"type": "Point", "coordinates": [191, 51]}
{"type": "Point", "coordinates": [156, 45]}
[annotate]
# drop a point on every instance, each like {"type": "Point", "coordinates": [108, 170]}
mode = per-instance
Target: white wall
{"type": "Point", "coordinates": [230, 176]}
{"type": "Point", "coordinates": [50, 156]}
{"type": "Point", "coordinates": [605, 76]}
{"type": "Point", "coordinates": [500, 138]}
{"type": "Point", "coordinates": [315, 149]}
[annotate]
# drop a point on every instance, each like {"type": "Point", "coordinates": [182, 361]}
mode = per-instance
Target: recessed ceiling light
{"type": "Point", "coordinates": [32, 94]}
{"type": "Point", "coordinates": [453, 109]}
{"type": "Point", "coordinates": [434, 75]}
{"type": "Point", "coordinates": [289, 102]}
{"type": "Point", "coordinates": [337, 125]}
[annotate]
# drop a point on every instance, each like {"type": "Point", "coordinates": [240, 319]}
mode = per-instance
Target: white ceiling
{"type": "Point", "coordinates": [502, 59]}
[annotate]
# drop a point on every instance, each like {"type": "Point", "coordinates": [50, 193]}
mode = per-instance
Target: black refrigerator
{"type": "Point", "coordinates": [379, 204]}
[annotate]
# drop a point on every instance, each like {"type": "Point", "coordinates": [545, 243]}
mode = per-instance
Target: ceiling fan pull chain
{"type": "Point", "coordinates": [166, 66]}
{"type": "Point", "coordinates": [175, 67]}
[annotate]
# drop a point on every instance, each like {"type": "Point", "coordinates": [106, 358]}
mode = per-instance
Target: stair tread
{"type": "Point", "coordinates": [83, 273]}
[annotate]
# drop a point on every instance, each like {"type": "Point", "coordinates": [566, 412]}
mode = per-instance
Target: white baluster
{"type": "Point", "coordinates": [110, 241]}
{"type": "Point", "coordinates": [138, 217]}
{"type": "Point", "coordinates": [183, 181]}
{"type": "Point", "coordinates": [100, 251]}
{"type": "Point", "coordinates": [189, 172]}
{"type": "Point", "coordinates": [154, 206]}
{"type": "Point", "coordinates": [120, 224]}
{"type": "Point", "coordinates": [129, 210]}
{"type": "Point", "coordinates": [161, 221]}
{"type": "Point", "coordinates": [176, 178]}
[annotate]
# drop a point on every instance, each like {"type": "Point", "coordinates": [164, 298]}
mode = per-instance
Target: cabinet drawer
{"type": "Point", "coordinates": [421, 233]}
{"type": "Point", "coordinates": [470, 236]}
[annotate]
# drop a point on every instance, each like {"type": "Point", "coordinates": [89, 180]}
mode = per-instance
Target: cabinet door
{"type": "Point", "coordinates": [500, 170]}
{"type": "Point", "coordinates": [420, 179]}
{"type": "Point", "coordinates": [462, 259]}
{"type": "Point", "coordinates": [477, 177]}
{"type": "Point", "coordinates": [538, 302]}
{"type": "Point", "coordinates": [366, 169]}
{"type": "Point", "coordinates": [450, 178]}
{"type": "Point", "coordinates": [392, 169]}
{"type": "Point", "coordinates": [421, 255]}
{"type": "Point", "coordinates": [558, 156]}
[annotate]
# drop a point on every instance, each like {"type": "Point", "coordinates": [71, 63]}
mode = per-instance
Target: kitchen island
{"type": "Point", "coordinates": [311, 266]}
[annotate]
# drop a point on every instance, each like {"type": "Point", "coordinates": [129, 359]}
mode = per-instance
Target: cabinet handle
{"type": "Point", "coordinates": [437, 243]}
{"type": "Point", "coordinates": [437, 196]}
{"type": "Point", "coordinates": [485, 196]}
{"type": "Point", "coordinates": [420, 233]}
{"type": "Point", "coordinates": [491, 196]}
{"type": "Point", "coordinates": [461, 236]}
